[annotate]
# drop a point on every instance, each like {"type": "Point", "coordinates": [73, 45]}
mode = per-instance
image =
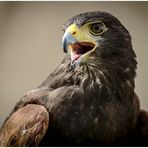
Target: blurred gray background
{"type": "Point", "coordinates": [30, 43]}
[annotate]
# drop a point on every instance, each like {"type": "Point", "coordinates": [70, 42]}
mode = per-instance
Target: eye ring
{"type": "Point", "coordinates": [97, 28]}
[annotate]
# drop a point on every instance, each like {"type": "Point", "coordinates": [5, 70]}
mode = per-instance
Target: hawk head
{"type": "Point", "coordinates": [98, 39]}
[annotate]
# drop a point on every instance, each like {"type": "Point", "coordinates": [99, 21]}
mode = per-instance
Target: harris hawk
{"type": "Point", "coordinates": [89, 99]}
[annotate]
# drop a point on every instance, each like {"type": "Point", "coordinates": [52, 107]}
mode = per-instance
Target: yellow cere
{"type": "Point", "coordinates": [82, 34]}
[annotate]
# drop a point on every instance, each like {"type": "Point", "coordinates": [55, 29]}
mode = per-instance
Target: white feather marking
{"type": "Point", "coordinates": [127, 69]}
{"type": "Point", "coordinates": [95, 120]}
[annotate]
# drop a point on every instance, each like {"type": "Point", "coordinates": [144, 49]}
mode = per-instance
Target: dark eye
{"type": "Point", "coordinates": [97, 28]}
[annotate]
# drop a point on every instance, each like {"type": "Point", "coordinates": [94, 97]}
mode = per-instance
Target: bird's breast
{"type": "Point", "coordinates": [85, 117]}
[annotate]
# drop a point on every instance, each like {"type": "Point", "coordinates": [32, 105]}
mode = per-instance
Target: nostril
{"type": "Point", "coordinates": [74, 33]}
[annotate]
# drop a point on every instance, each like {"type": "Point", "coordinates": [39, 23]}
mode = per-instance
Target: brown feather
{"type": "Point", "coordinates": [26, 127]}
{"type": "Point", "coordinates": [90, 103]}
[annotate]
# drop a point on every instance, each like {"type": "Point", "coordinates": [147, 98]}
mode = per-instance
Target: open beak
{"type": "Point", "coordinates": [77, 47]}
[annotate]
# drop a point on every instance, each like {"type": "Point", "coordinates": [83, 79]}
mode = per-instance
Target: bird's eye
{"type": "Point", "coordinates": [97, 28]}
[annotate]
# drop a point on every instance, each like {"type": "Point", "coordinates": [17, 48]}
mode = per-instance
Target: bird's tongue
{"type": "Point", "coordinates": [75, 57]}
{"type": "Point", "coordinates": [80, 48]}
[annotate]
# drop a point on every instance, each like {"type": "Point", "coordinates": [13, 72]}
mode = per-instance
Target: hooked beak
{"type": "Point", "coordinates": [68, 39]}
{"type": "Point", "coordinates": [77, 44]}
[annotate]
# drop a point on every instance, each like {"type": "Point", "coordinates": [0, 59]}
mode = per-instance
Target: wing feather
{"type": "Point", "coordinates": [25, 127]}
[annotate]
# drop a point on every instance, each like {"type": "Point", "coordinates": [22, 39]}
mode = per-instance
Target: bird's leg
{"type": "Point", "coordinates": [25, 127]}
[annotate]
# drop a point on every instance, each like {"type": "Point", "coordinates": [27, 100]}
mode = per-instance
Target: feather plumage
{"type": "Point", "coordinates": [92, 103]}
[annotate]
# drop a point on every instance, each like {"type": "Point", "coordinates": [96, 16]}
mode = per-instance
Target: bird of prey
{"type": "Point", "coordinates": [89, 99]}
